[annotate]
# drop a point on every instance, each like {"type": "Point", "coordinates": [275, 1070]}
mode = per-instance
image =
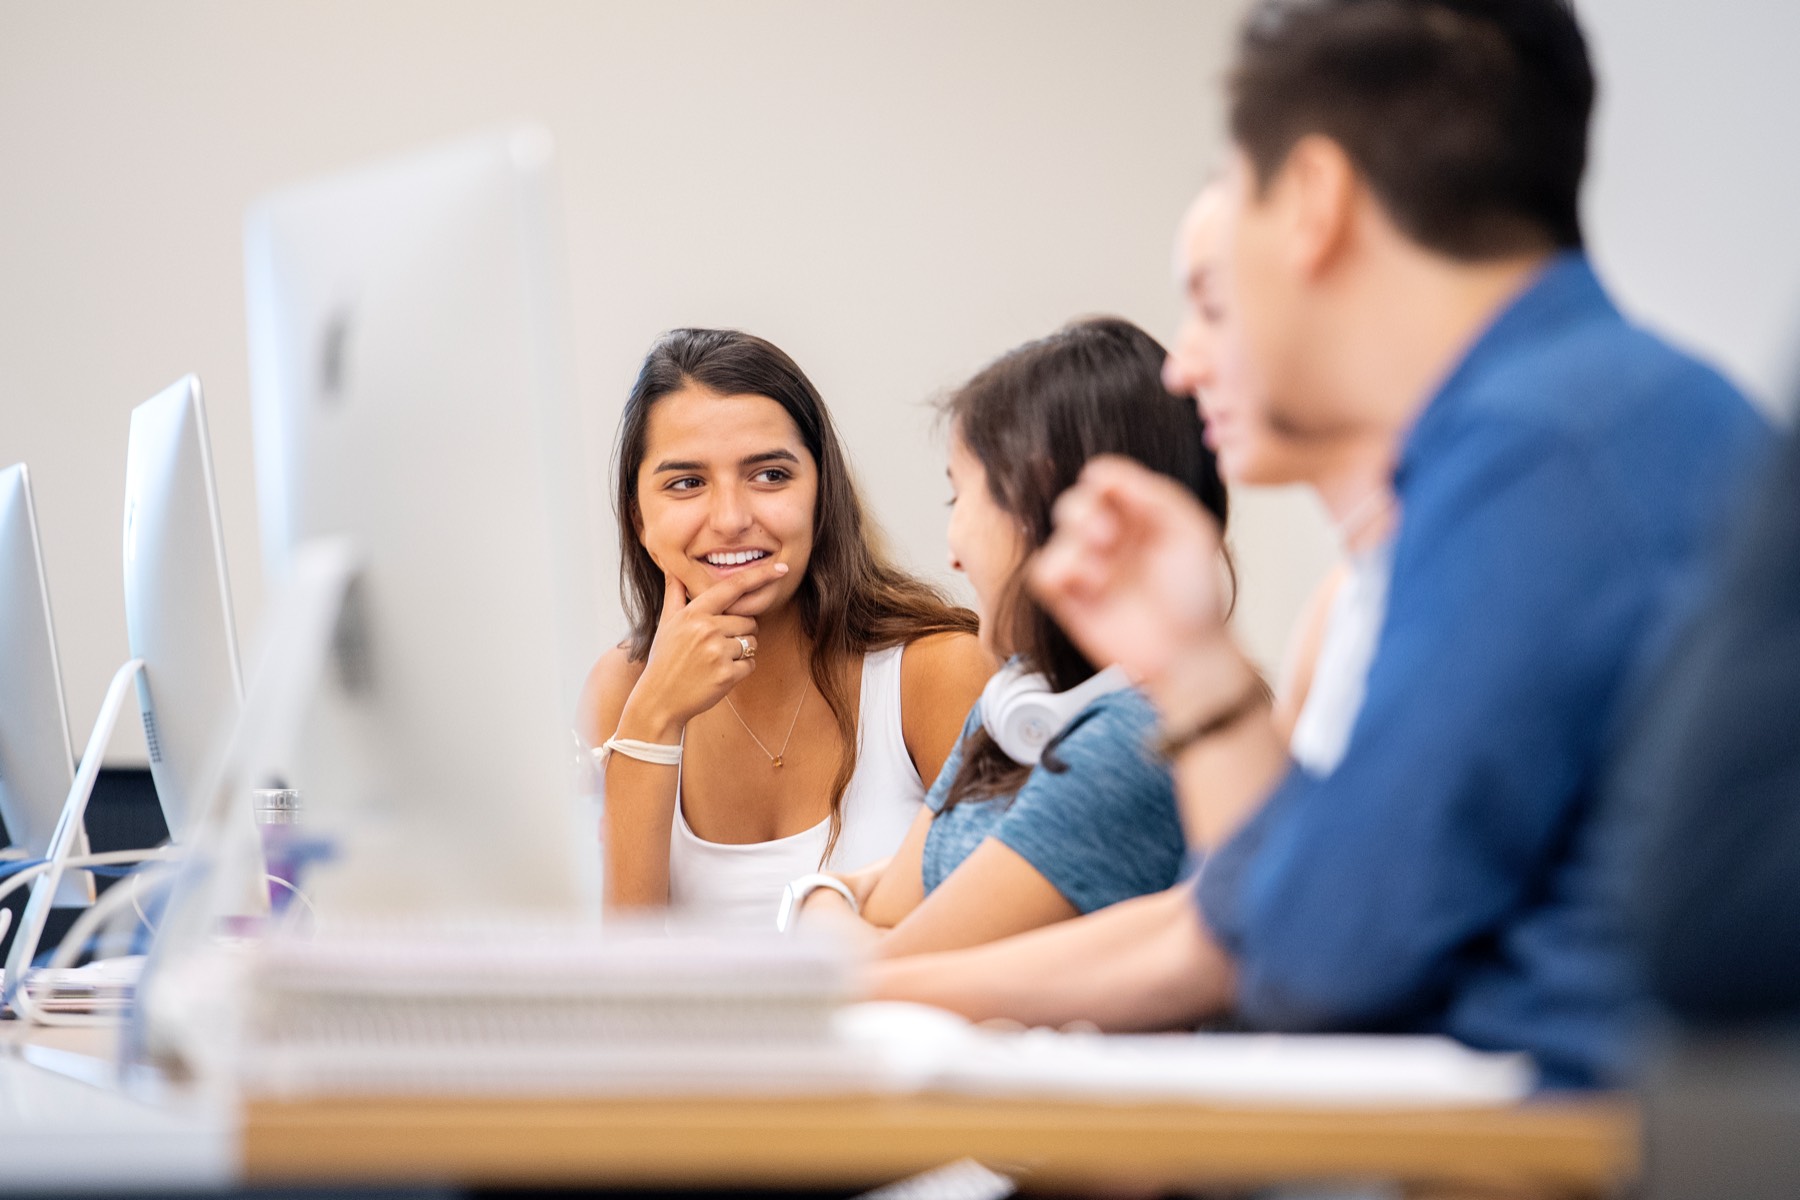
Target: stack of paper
{"type": "Point", "coordinates": [546, 1010]}
{"type": "Point", "coordinates": [927, 1049]}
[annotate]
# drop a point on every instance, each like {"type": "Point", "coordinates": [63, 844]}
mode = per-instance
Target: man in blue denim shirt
{"type": "Point", "coordinates": [1406, 260]}
{"type": "Point", "coordinates": [1559, 492]}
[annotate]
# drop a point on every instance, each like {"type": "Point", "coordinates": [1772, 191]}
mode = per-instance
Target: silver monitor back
{"type": "Point", "coordinates": [178, 598]}
{"type": "Point", "coordinates": [410, 394]}
{"type": "Point", "coordinates": [37, 763]}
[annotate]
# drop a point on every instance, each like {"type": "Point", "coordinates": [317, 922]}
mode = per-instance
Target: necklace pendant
{"type": "Point", "coordinates": [776, 760]}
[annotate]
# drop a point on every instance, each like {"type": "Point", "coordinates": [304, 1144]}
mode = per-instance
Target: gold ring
{"type": "Point", "coordinates": [745, 649]}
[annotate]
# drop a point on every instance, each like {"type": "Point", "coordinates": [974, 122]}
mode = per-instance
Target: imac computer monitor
{"type": "Point", "coordinates": [411, 399]}
{"type": "Point", "coordinates": [37, 765]}
{"type": "Point", "coordinates": [178, 598]}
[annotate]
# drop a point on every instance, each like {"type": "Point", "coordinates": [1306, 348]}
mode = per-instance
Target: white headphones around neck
{"type": "Point", "coordinates": [1023, 715]}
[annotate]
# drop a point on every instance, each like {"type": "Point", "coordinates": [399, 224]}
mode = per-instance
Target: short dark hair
{"type": "Point", "coordinates": [1467, 118]}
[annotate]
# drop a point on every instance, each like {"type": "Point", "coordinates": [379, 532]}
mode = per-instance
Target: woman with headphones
{"type": "Point", "coordinates": [1055, 801]}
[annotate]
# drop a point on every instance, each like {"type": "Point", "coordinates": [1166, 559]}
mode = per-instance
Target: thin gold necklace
{"type": "Point", "coordinates": [774, 759]}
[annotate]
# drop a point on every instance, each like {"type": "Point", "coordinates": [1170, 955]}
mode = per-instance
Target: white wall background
{"type": "Point", "coordinates": [1693, 204]}
{"type": "Point", "coordinates": [892, 192]}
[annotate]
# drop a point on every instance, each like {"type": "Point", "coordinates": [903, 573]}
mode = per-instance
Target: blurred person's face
{"type": "Point", "coordinates": [1192, 368]}
{"type": "Point", "coordinates": [726, 481]}
{"type": "Point", "coordinates": [1269, 264]}
{"type": "Point", "coordinates": [1207, 360]}
{"type": "Point", "coordinates": [986, 542]}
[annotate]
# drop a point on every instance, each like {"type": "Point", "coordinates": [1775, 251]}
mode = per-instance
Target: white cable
{"type": "Point", "coordinates": [83, 929]}
{"type": "Point", "coordinates": [104, 859]}
{"type": "Point", "coordinates": [108, 858]}
{"type": "Point", "coordinates": [98, 912]}
{"type": "Point", "coordinates": [300, 895]}
{"type": "Point", "coordinates": [133, 880]}
{"type": "Point", "coordinates": [113, 899]}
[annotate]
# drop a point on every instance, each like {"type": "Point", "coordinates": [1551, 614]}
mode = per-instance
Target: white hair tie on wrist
{"type": "Point", "coordinates": [650, 752]}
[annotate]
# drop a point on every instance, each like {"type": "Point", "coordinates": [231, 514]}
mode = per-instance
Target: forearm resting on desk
{"type": "Point", "coordinates": [1145, 964]}
{"type": "Point", "coordinates": [825, 909]}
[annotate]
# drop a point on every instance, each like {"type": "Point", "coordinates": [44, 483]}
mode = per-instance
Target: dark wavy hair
{"type": "Point", "coordinates": [1034, 417]}
{"type": "Point", "coordinates": [852, 598]}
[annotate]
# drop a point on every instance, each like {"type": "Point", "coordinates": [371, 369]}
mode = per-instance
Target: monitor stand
{"type": "Point", "coordinates": [66, 841]}
{"type": "Point", "coordinates": [222, 865]}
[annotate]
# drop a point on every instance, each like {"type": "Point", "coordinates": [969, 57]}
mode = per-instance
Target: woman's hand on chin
{"type": "Point", "coordinates": [698, 654]}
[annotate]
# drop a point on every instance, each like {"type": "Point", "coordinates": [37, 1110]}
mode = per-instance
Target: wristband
{"type": "Point", "coordinates": [650, 752]}
{"type": "Point", "coordinates": [795, 894]}
{"type": "Point", "coordinates": [1172, 745]}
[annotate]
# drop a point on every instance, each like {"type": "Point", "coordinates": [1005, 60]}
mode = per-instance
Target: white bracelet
{"type": "Point", "coordinates": [650, 752]}
{"type": "Point", "coordinates": [797, 892]}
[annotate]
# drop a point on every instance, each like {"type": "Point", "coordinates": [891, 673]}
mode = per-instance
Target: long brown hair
{"type": "Point", "coordinates": [1034, 417]}
{"type": "Point", "coordinates": [852, 598]}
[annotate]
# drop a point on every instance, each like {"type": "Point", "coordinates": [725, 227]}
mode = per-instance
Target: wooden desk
{"type": "Point", "coordinates": [1586, 1148]}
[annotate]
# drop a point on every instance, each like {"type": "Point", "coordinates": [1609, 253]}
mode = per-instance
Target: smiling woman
{"type": "Point", "coordinates": [785, 691]}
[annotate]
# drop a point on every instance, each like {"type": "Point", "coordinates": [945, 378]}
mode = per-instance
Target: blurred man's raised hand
{"type": "Point", "coordinates": [1132, 569]}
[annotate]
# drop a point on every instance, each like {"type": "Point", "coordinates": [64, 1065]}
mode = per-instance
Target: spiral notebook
{"type": "Point", "coordinates": [547, 1010]}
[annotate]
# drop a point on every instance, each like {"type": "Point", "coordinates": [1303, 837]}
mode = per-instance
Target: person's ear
{"type": "Point", "coordinates": [1319, 188]}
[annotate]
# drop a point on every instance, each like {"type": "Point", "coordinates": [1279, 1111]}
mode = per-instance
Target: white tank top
{"type": "Point", "coordinates": [741, 885]}
{"type": "Point", "coordinates": [1352, 629]}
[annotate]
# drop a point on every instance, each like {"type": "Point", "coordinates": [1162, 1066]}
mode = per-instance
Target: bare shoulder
{"type": "Point", "coordinates": [941, 676]}
{"type": "Point", "coordinates": [944, 665]}
{"type": "Point", "coordinates": [604, 693]}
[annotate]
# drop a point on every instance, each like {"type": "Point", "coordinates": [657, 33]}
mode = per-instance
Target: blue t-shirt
{"type": "Point", "coordinates": [1455, 873]}
{"type": "Point", "coordinates": [1104, 829]}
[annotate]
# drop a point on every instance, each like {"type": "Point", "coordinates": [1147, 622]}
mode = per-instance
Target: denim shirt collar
{"type": "Point", "coordinates": [1565, 289]}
